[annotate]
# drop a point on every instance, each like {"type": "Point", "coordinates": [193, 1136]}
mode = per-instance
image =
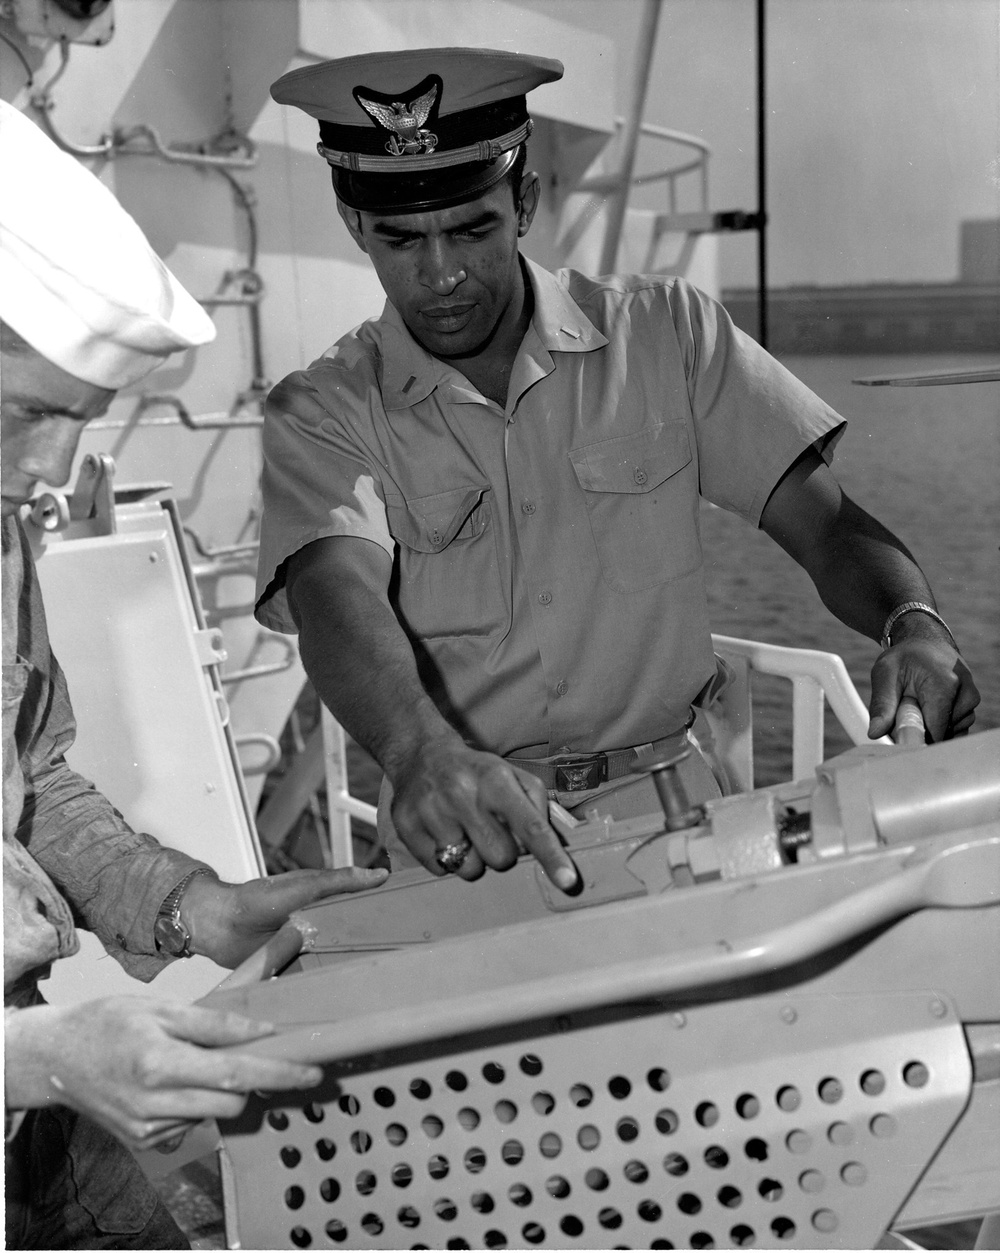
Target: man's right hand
{"type": "Point", "coordinates": [447, 793]}
{"type": "Point", "coordinates": [144, 1069]}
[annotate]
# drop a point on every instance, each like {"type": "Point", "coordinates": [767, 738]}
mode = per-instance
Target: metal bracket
{"type": "Point", "coordinates": [92, 500]}
{"type": "Point", "coordinates": [208, 646]}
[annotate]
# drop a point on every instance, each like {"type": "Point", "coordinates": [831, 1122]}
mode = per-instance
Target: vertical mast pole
{"type": "Point", "coordinates": [762, 328]}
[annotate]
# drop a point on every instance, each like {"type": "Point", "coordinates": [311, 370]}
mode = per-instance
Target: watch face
{"type": "Point", "coordinates": [171, 936]}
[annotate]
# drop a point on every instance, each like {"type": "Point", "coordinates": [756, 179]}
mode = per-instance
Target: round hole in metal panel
{"type": "Point", "coordinates": [675, 1164]}
{"type": "Point", "coordinates": [329, 1190]}
{"type": "Point", "coordinates": [531, 1064]}
{"type": "Point", "coordinates": [667, 1121]}
{"type": "Point", "coordinates": [916, 1075]}
{"type": "Point", "coordinates": [493, 1072]}
{"type": "Point", "coordinates": [438, 1166]}
{"type": "Point", "coordinates": [349, 1105]}
{"type": "Point", "coordinates": [854, 1174]}
{"type": "Point", "coordinates": [882, 1126]}
{"type": "Point", "coordinates": [372, 1225]}
{"type": "Point", "coordinates": [401, 1175]}
{"type": "Point", "coordinates": [581, 1095]}
{"type": "Point", "coordinates": [326, 1150]}
{"type": "Point", "coordinates": [660, 1244]}
{"type": "Point", "coordinates": [783, 1228]}
{"type": "Point", "coordinates": [825, 1220]}
{"type": "Point", "coordinates": [468, 1118]}
{"type": "Point", "coordinates": [336, 1231]}
{"type": "Point", "coordinates": [407, 1216]}
{"type": "Point", "coordinates": [456, 1242]}
{"type": "Point", "coordinates": [830, 1090]}
{"type": "Point", "coordinates": [596, 1179]}
{"type": "Point", "coordinates": [702, 1240]}
{"type": "Point", "coordinates": [432, 1126]}
{"type": "Point", "coordinates": [689, 1203]}
{"type": "Point", "coordinates": [396, 1133]}
{"type": "Point", "coordinates": [482, 1202]}
{"type": "Point", "coordinates": [747, 1105]}
{"type": "Point", "coordinates": [741, 1235]}
{"type": "Point", "coordinates": [588, 1137]}
{"type": "Point", "coordinates": [506, 1111]}
{"type": "Point", "coordinates": [609, 1218]}
{"type": "Point", "coordinates": [799, 1141]}
{"type": "Point", "coordinates": [366, 1181]}
{"type": "Point", "coordinates": [872, 1083]}
{"type": "Point", "coordinates": [770, 1189]}
{"type": "Point", "coordinates": [494, 1239]}
{"type": "Point", "coordinates": [788, 1098]}
{"type": "Point", "coordinates": [627, 1130]}
{"type": "Point", "coordinates": [446, 1209]}
{"type": "Point", "coordinates": [278, 1119]}
{"type": "Point", "coordinates": [290, 1155]}
{"type": "Point", "coordinates": [570, 1225]}
{"type": "Point", "coordinates": [519, 1194]}
{"type": "Point", "coordinates": [301, 1237]}
{"type": "Point", "coordinates": [619, 1087]}
{"type": "Point", "coordinates": [420, 1088]}
{"type": "Point", "coordinates": [512, 1151]}
{"type": "Point", "coordinates": [361, 1141]}
{"type": "Point", "coordinates": [550, 1145]}
{"type": "Point", "coordinates": [384, 1097]}
{"type": "Point", "coordinates": [294, 1197]}
{"type": "Point", "coordinates": [314, 1112]}
{"type": "Point", "coordinates": [707, 1114]}
{"type": "Point", "coordinates": [658, 1079]}
{"type": "Point", "coordinates": [649, 1211]}
{"type": "Point", "coordinates": [840, 1133]}
{"type": "Point", "coordinates": [756, 1149]}
{"type": "Point", "coordinates": [557, 1186]}
{"type": "Point", "coordinates": [456, 1080]}
{"type": "Point", "coordinates": [716, 1157]}
{"type": "Point", "coordinates": [475, 1160]}
{"type": "Point", "coordinates": [534, 1233]}
{"type": "Point", "coordinates": [812, 1181]}
{"type": "Point", "coordinates": [543, 1103]}
{"type": "Point", "coordinates": [635, 1171]}
{"type": "Point", "coordinates": [729, 1196]}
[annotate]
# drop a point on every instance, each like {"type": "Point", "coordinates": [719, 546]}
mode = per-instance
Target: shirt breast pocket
{"type": "Point", "coordinates": [642, 498]}
{"type": "Point", "coordinates": [449, 575]}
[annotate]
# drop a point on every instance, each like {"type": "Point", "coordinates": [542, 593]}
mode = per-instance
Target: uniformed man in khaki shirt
{"type": "Point", "coordinates": [481, 508]}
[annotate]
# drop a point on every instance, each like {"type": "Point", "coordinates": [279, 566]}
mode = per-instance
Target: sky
{"type": "Point", "coordinates": [883, 124]}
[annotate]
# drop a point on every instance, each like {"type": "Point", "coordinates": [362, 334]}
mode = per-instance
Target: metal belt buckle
{"type": "Point", "coordinates": [579, 774]}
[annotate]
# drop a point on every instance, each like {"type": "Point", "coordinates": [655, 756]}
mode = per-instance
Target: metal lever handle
{"type": "Point", "coordinates": [909, 729]}
{"type": "Point", "coordinates": [678, 812]}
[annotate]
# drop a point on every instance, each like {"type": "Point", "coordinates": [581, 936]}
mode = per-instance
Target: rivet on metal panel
{"type": "Point", "coordinates": [937, 1007]}
{"type": "Point", "coordinates": [788, 1014]}
{"type": "Point", "coordinates": [680, 1020]}
{"type": "Point", "coordinates": [825, 1220]}
{"type": "Point", "coordinates": [154, 558]}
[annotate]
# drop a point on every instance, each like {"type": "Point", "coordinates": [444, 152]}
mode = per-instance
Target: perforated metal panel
{"type": "Point", "coordinates": [800, 1121]}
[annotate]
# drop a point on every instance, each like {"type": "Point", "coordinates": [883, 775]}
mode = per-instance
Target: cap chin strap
{"type": "Point", "coordinates": [485, 150]}
{"type": "Point", "coordinates": [412, 194]}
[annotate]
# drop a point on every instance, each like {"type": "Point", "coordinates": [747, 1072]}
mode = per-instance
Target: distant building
{"type": "Point", "coordinates": [888, 317]}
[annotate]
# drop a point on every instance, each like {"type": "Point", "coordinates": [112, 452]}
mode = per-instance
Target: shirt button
{"type": "Point", "coordinates": [120, 939]}
{"type": "Point", "coordinates": [435, 537]}
{"type": "Point", "coordinates": [562, 687]}
{"type": "Point", "coordinates": [640, 475]}
{"type": "Point", "coordinates": [527, 506]}
{"type": "Point", "coordinates": [544, 598]}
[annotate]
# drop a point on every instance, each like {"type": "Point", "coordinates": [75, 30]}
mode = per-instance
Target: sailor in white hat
{"type": "Point", "coordinates": [481, 509]}
{"type": "Point", "coordinates": [86, 307]}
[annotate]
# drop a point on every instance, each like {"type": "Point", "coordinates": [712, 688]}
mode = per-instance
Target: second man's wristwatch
{"type": "Point", "coordinates": [169, 930]}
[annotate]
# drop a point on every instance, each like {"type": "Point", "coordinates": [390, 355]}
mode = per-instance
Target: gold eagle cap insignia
{"type": "Point", "coordinates": [405, 121]}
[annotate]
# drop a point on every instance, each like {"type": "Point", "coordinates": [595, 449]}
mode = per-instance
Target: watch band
{"type": "Point", "coordinates": [910, 606]}
{"type": "Point", "coordinates": [169, 932]}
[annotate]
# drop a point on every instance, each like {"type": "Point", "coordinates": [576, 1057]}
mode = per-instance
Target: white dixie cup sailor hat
{"type": "Point", "coordinates": [78, 279]}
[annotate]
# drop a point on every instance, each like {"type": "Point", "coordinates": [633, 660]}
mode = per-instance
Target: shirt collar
{"type": "Point", "coordinates": [409, 373]}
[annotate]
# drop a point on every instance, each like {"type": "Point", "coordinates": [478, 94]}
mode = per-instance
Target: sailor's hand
{"type": "Point", "coordinates": [449, 795]}
{"type": "Point", "coordinates": [229, 921]}
{"type": "Point", "coordinates": [931, 671]}
{"type": "Point", "coordinates": [145, 1070]}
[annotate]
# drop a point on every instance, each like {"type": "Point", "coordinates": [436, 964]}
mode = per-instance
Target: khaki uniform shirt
{"type": "Point", "coordinates": [547, 554]}
{"type": "Point", "coordinates": [69, 856]}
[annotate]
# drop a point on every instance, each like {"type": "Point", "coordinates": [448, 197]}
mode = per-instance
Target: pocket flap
{"type": "Point", "coordinates": [633, 463]}
{"type": "Point", "coordinates": [430, 523]}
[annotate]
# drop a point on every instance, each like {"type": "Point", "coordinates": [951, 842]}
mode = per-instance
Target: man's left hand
{"type": "Point", "coordinates": [934, 674]}
{"type": "Point", "coordinates": [229, 921]}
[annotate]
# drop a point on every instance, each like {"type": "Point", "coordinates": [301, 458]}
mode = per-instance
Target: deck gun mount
{"type": "Point", "coordinates": [770, 1020]}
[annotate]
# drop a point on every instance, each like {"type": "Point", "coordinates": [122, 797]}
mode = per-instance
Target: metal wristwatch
{"type": "Point", "coordinates": [169, 930]}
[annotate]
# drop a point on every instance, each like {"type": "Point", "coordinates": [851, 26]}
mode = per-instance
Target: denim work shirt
{"type": "Point", "coordinates": [547, 553]}
{"type": "Point", "coordinates": [69, 857]}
